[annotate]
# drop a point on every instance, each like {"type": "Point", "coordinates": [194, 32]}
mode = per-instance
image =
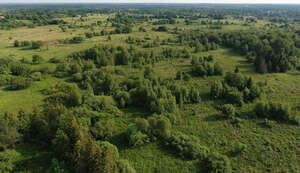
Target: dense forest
{"type": "Point", "coordinates": [126, 88]}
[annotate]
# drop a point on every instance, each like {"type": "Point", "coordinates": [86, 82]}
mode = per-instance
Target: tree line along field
{"type": "Point", "coordinates": [125, 88]}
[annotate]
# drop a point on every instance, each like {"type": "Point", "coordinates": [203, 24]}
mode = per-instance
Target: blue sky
{"type": "Point", "coordinates": [155, 1]}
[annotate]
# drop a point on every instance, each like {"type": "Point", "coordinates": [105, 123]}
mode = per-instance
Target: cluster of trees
{"type": "Point", "coordinates": [274, 111]}
{"type": "Point", "coordinates": [235, 89]}
{"type": "Point", "coordinates": [18, 75]}
{"type": "Point", "coordinates": [58, 129]}
{"type": "Point", "coordinates": [110, 55]}
{"type": "Point", "coordinates": [270, 52]}
{"type": "Point", "coordinates": [74, 40]}
{"type": "Point", "coordinates": [203, 67]}
{"type": "Point", "coordinates": [189, 147]}
{"type": "Point", "coordinates": [164, 21]}
{"type": "Point", "coordinates": [30, 44]}
{"type": "Point", "coordinates": [200, 41]}
{"type": "Point", "coordinates": [147, 130]}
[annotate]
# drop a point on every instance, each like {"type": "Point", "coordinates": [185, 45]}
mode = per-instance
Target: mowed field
{"type": "Point", "coordinates": [275, 149]}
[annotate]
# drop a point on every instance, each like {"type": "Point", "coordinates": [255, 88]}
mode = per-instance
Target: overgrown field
{"type": "Point", "coordinates": [133, 90]}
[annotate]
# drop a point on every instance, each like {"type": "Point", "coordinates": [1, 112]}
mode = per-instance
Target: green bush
{"type": "Point", "coordinates": [275, 111]}
{"type": "Point", "coordinates": [228, 110]}
{"type": "Point", "coordinates": [125, 167]}
{"type": "Point", "coordinates": [144, 131]}
{"type": "Point", "coordinates": [217, 163]}
{"type": "Point", "coordinates": [239, 148]}
{"type": "Point", "coordinates": [36, 44]}
{"type": "Point", "coordinates": [62, 92]}
{"type": "Point", "coordinates": [234, 97]}
{"type": "Point", "coordinates": [8, 158]}
{"type": "Point", "coordinates": [19, 69]}
{"type": "Point", "coordinates": [187, 77]}
{"type": "Point", "coordinates": [56, 167]}
{"type": "Point", "coordinates": [37, 59]}
{"type": "Point", "coordinates": [4, 79]}
{"type": "Point", "coordinates": [36, 76]}
{"type": "Point", "coordinates": [103, 130]}
{"type": "Point", "coordinates": [187, 146]}
{"type": "Point", "coordinates": [18, 83]}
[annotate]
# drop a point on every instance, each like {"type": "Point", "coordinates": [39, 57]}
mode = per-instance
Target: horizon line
{"type": "Point", "coordinates": [249, 3]}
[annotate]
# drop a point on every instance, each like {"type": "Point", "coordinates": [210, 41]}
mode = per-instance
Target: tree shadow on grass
{"type": "Point", "coordinates": [33, 159]}
{"type": "Point", "coordinates": [215, 117]}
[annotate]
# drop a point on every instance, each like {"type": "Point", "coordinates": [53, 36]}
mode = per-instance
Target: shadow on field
{"type": "Point", "coordinates": [33, 160]}
{"type": "Point", "coordinates": [214, 117]}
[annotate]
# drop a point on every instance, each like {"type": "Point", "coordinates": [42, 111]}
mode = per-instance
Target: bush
{"type": "Point", "coordinates": [56, 167]}
{"type": "Point", "coordinates": [236, 80]}
{"type": "Point", "coordinates": [103, 130]}
{"type": "Point", "coordinates": [9, 134]}
{"type": "Point", "coordinates": [36, 44]}
{"type": "Point", "coordinates": [8, 159]}
{"type": "Point", "coordinates": [19, 69]}
{"type": "Point", "coordinates": [144, 131]}
{"type": "Point", "coordinates": [239, 148]}
{"type": "Point", "coordinates": [187, 77]}
{"type": "Point", "coordinates": [36, 76]}
{"type": "Point", "coordinates": [67, 94]}
{"type": "Point", "coordinates": [187, 146]}
{"type": "Point", "coordinates": [275, 111]}
{"type": "Point", "coordinates": [37, 59]}
{"type": "Point", "coordinates": [228, 110]}
{"type": "Point", "coordinates": [218, 69]}
{"type": "Point", "coordinates": [76, 40]}
{"type": "Point", "coordinates": [234, 97]}
{"type": "Point", "coordinates": [216, 162]}
{"type": "Point", "coordinates": [125, 167]}
{"type": "Point", "coordinates": [18, 83]}
{"type": "Point", "coordinates": [4, 79]}
{"type": "Point", "coordinates": [16, 43]}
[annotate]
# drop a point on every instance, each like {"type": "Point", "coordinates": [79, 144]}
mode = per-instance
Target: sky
{"type": "Point", "coordinates": [155, 1]}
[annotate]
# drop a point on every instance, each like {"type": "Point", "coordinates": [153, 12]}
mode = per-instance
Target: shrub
{"type": "Point", "coordinates": [194, 95]}
{"type": "Point", "coordinates": [8, 159]}
{"type": "Point", "coordinates": [228, 110]}
{"type": "Point", "coordinates": [16, 43]}
{"type": "Point", "coordinates": [236, 80]}
{"type": "Point", "coordinates": [216, 162]}
{"type": "Point", "coordinates": [217, 90]}
{"type": "Point", "coordinates": [103, 130]}
{"type": "Point", "coordinates": [67, 94]}
{"type": "Point", "coordinates": [234, 97]}
{"type": "Point", "coordinates": [218, 69]}
{"type": "Point", "coordinates": [18, 83]}
{"type": "Point", "coordinates": [36, 76]}
{"type": "Point", "coordinates": [144, 131]}
{"type": "Point", "coordinates": [187, 146]}
{"type": "Point", "coordinates": [36, 44]}
{"type": "Point", "coordinates": [138, 139]}
{"type": "Point", "coordinates": [125, 167]}
{"type": "Point", "coordinates": [56, 167]}
{"type": "Point", "coordinates": [9, 133]}
{"type": "Point", "coordinates": [239, 148]}
{"type": "Point", "coordinates": [187, 77]}
{"type": "Point", "coordinates": [37, 59]}
{"type": "Point", "coordinates": [4, 79]}
{"type": "Point", "coordinates": [76, 40]}
{"type": "Point", "coordinates": [19, 69]}
{"type": "Point", "coordinates": [275, 111]}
